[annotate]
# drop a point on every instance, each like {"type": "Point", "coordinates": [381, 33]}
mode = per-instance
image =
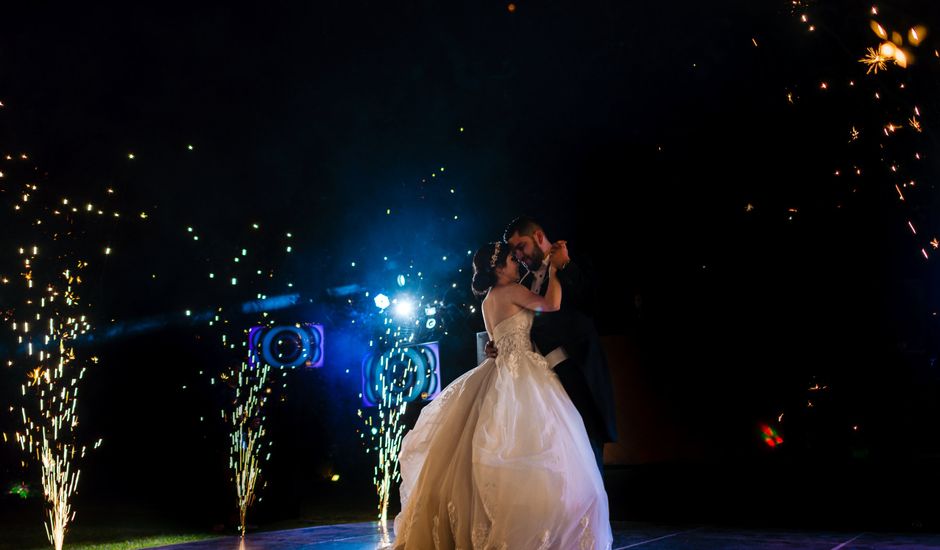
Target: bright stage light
{"type": "Point", "coordinates": [404, 308]}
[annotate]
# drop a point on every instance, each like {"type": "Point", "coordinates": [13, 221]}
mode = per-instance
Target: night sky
{"type": "Point", "coordinates": [687, 151]}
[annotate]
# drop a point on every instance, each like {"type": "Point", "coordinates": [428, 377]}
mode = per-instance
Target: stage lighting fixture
{"type": "Point", "coordinates": [287, 345]}
{"type": "Point", "coordinates": [413, 371]}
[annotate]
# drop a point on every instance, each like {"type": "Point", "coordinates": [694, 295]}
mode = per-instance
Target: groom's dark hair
{"type": "Point", "coordinates": [524, 225]}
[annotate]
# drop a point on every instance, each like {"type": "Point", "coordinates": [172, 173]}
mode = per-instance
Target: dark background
{"type": "Point", "coordinates": [737, 271]}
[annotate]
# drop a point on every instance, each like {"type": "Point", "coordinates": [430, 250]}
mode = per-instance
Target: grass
{"type": "Point", "coordinates": [132, 525]}
{"type": "Point", "coordinates": [105, 534]}
{"type": "Point", "coordinates": [85, 538]}
{"type": "Point", "coordinates": [132, 543]}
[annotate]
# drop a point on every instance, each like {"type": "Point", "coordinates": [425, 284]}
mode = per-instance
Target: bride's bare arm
{"type": "Point", "coordinates": [523, 297]}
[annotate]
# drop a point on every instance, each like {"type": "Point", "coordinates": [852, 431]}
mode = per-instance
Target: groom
{"type": "Point", "coordinates": [568, 337]}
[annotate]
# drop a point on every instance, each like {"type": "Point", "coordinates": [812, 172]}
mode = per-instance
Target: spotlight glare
{"type": "Point", "coordinates": [404, 308]}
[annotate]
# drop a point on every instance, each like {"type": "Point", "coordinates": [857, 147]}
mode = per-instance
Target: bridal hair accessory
{"type": "Point", "coordinates": [495, 255]}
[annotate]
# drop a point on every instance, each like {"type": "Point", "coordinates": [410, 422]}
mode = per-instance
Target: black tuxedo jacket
{"type": "Point", "coordinates": [584, 375]}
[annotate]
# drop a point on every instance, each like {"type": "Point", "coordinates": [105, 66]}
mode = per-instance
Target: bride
{"type": "Point", "coordinates": [501, 459]}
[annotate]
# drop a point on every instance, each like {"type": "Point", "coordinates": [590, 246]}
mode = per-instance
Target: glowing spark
{"type": "Point", "coordinates": [898, 189]}
{"type": "Point", "coordinates": [887, 50]}
{"type": "Point", "coordinates": [247, 433]}
{"type": "Point", "coordinates": [824, 86]}
{"type": "Point", "coordinates": [130, 156]}
{"type": "Point", "coordinates": [875, 61]}
{"type": "Point", "coordinates": [35, 376]}
{"type": "Point", "coordinates": [900, 58]}
{"type": "Point", "coordinates": [53, 388]}
{"type": "Point", "coordinates": [878, 30]}
{"type": "Point", "coordinates": [853, 136]}
{"type": "Point", "coordinates": [935, 243]}
{"type": "Point", "coordinates": [754, 41]}
{"type": "Point", "coordinates": [911, 225]}
{"type": "Point", "coordinates": [915, 124]}
{"type": "Point", "coordinates": [916, 35]}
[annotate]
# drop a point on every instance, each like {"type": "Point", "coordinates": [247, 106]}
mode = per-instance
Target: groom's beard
{"type": "Point", "coordinates": [534, 262]}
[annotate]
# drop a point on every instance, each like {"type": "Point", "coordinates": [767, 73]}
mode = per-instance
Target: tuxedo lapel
{"type": "Point", "coordinates": [527, 279]}
{"type": "Point", "coordinates": [544, 289]}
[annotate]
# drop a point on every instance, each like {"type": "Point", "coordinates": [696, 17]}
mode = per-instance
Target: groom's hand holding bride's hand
{"type": "Point", "coordinates": [559, 254]}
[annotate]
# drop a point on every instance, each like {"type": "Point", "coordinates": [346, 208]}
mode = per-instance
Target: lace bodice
{"type": "Point", "coordinates": [512, 334]}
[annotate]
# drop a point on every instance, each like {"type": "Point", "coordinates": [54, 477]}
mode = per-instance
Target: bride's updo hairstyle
{"type": "Point", "coordinates": [485, 262]}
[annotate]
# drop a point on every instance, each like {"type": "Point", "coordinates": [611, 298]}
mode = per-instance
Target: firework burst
{"type": "Point", "coordinates": [875, 61]}
{"type": "Point", "coordinates": [247, 435]}
{"type": "Point", "coordinates": [46, 315]}
{"type": "Point", "coordinates": [250, 384]}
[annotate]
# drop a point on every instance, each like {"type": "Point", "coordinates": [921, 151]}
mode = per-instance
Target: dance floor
{"type": "Point", "coordinates": [362, 536]}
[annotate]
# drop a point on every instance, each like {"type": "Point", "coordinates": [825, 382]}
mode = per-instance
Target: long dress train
{"type": "Point", "coordinates": [501, 460]}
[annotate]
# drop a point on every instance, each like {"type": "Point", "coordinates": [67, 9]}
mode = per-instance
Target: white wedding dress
{"type": "Point", "coordinates": [501, 460]}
